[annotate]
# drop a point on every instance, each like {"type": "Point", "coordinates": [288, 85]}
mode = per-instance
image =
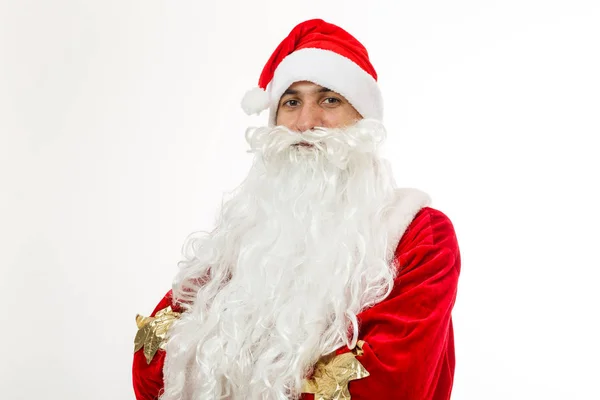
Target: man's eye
{"type": "Point", "coordinates": [291, 103]}
{"type": "Point", "coordinates": [332, 100]}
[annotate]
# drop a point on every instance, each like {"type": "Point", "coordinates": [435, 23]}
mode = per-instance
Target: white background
{"type": "Point", "coordinates": [120, 128]}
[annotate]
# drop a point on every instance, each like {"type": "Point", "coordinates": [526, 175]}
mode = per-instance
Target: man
{"type": "Point", "coordinates": [321, 279]}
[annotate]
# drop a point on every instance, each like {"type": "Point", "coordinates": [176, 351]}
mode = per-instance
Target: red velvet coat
{"type": "Point", "coordinates": [409, 349]}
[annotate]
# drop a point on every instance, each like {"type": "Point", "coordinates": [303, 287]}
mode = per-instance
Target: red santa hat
{"type": "Point", "coordinates": [322, 53]}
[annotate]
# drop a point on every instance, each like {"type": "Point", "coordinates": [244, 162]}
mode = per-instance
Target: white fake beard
{"type": "Point", "coordinates": [299, 249]}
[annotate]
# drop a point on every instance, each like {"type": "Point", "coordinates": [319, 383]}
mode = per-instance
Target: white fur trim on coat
{"type": "Point", "coordinates": [408, 203]}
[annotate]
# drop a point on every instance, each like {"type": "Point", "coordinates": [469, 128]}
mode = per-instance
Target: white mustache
{"type": "Point", "coordinates": [336, 144]}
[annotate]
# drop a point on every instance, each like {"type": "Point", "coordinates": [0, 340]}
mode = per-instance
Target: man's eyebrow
{"type": "Point", "coordinates": [290, 91]}
{"type": "Point", "coordinates": [295, 92]}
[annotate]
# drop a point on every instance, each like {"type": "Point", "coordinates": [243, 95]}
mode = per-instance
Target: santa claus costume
{"type": "Point", "coordinates": [322, 279]}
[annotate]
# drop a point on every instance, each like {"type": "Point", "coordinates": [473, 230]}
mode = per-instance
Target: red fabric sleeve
{"type": "Point", "coordinates": [409, 349]}
{"type": "Point", "coordinates": [148, 378]}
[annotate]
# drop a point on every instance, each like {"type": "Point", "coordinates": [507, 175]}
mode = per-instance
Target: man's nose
{"type": "Point", "coordinates": [309, 117]}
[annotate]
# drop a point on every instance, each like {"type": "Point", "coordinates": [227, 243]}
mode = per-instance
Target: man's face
{"type": "Point", "coordinates": [305, 105]}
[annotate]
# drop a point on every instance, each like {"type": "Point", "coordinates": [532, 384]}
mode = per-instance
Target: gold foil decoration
{"type": "Point", "coordinates": [152, 331]}
{"type": "Point", "coordinates": [332, 374]}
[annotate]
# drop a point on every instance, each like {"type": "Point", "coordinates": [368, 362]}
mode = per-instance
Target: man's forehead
{"type": "Point", "coordinates": [305, 87]}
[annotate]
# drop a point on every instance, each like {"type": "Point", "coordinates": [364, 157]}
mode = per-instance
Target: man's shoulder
{"type": "Point", "coordinates": [430, 226]}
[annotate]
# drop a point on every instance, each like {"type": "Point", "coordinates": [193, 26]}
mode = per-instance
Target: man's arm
{"type": "Point", "coordinates": [148, 376]}
{"type": "Point", "coordinates": [409, 344]}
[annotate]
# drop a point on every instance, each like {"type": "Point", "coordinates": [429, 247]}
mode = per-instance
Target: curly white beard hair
{"type": "Point", "coordinates": [299, 249]}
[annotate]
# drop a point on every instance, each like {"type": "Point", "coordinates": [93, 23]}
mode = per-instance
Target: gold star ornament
{"type": "Point", "coordinates": [152, 331]}
{"type": "Point", "coordinates": [332, 373]}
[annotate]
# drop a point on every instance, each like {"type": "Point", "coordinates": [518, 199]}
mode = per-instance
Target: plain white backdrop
{"type": "Point", "coordinates": [121, 127]}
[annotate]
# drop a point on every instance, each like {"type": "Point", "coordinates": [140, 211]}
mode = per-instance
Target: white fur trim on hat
{"type": "Point", "coordinates": [331, 70]}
